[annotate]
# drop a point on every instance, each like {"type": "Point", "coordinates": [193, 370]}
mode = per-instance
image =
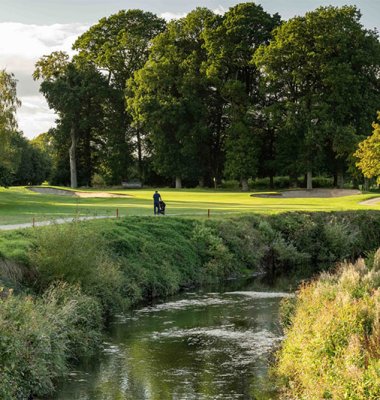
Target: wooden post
{"type": "Point", "coordinates": [208, 213]}
{"type": "Point", "coordinates": [117, 213]}
{"type": "Point", "coordinates": [34, 223]}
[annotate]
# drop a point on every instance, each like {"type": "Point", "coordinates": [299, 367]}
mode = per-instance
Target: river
{"type": "Point", "coordinates": [202, 345]}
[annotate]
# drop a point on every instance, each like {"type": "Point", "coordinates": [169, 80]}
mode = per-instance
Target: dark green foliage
{"type": "Point", "coordinates": [34, 166]}
{"type": "Point", "coordinates": [316, 66]}
{"type": "Point", "coordinates": [5, 176]}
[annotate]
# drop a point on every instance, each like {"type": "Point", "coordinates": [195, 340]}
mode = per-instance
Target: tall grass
{"type": "Point", "coordinates": [39, 337]}
{"type": "Point", "coordinates": [331, 350]}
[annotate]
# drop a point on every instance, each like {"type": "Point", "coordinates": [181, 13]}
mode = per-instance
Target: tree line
{"type": "Point", "coordinates": [210, 97]}
{"type": "Point", "coordinates": [22, 162]}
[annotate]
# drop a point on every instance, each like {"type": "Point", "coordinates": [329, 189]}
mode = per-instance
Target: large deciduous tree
{"type": "Point", "coordinates": [231, 45]}
{"type": "Point", "coordinates": [76, 91]}
{"type": "Point", "coordinates": [325, 67]}
{"type": "Point", "coordinates": [118, 46]}
{"type": "Point", "coordinates": [169, 99]}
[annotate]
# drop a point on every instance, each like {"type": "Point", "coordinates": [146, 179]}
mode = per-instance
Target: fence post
{"type": "Point", "coordinates": [117, 213]}
{"type": "Point", "coordinates": [208, 213]}
{"type": "Point", "coordinates": [34, 222]}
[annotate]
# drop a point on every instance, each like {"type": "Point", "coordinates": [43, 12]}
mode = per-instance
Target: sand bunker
{"type": "Point", "coordinates": [321, 193]}
{"type": "Point", "coordinates": [63, 192]}
{"type": "Point", "coordinates": [370, 202]}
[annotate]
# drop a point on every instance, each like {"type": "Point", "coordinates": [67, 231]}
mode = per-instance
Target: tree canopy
{"type": "Point", "coordinates": [368, 154]}
{"type": "Point", "coordinates": [325, 66]}
{"type": "Point", "coordinates": [203, 98]}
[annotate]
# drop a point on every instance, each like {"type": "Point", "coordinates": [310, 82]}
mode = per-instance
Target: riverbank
{"type": "Point", "coordinates": [93, 270]}
{"type": "Point", "coordinates": [331, 347]}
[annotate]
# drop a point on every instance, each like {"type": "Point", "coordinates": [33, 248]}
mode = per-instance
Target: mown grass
{"type": "Point", "coordinates": [20, 205]}
{"type": "Point", "coordinates": [332, 344]}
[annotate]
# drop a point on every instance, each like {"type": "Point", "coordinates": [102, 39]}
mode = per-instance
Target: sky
{"type": "Point", "coordinates": [30, 29]}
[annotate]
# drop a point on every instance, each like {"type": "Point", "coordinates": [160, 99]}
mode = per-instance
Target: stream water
{"type": "Point", "coordinates": [197, 346]}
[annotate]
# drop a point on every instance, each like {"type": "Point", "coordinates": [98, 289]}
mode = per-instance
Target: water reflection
{"type": "Point", "coordinates": [199, 346]}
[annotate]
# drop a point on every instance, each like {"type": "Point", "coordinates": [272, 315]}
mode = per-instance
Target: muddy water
{"type": "Point", "coordinates": [206, 345]}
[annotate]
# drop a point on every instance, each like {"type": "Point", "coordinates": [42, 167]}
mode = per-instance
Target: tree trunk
{"type": "Point", "coordinates": [340, 180]}
{"type": "Point", "coordinates": [178, 182]}
{"type": "Point", "coordinates": [271, 181]}
{"type": "Point", "coordinates": [309, 182]}
{"type": "Point", "coordinates": [139, 154]}
{"type": "Point", "coordinates": [73, 160]}
{"type": "Point", "coordinates": [293, 180]}
{"type": "Point", "coordinates": [201, 182]}
{"type": "Point", "coordinates": [244, 185]}
{"type": "Point", "coordinates": [366, 184]}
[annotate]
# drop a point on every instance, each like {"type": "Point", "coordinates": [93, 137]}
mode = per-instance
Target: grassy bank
{"type": "Point", "coordinates": [90, 271]}
{"type": "Point", "coordinates": [20, 205]}
{"type": "Point", "coordinates": [332, 345]}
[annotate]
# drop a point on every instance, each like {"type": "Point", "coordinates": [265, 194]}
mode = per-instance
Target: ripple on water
{"type": "Point", "coordinates": [253, 343]}
{"type": "Point", "coordinates": [262, 295]}
{"type": "Point", "coordinates": [185, 303]}
{"type": "Point", "coordinates": [211, 299]}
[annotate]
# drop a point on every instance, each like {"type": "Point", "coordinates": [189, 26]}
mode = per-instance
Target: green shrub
{"type": "Point", "coordinates": [230, 184]}
{"type": "Point", "coordinates": [216, 259]}
{"type": "Point", "coordinates": [279, 182]}
{"type": "Point", "coordinates": [322, 182]}
{"type": "Point", "coordinates": [98, 181]}
{"type": "Point", "coordinates": [76, 254]}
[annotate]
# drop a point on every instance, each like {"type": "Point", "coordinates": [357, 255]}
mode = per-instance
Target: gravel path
{"type": "Point", "coordinates": [46, 223]}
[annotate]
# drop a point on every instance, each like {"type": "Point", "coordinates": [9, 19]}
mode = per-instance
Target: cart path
{"type": "Point", "coordinates": [52, 222]}
{"type": "Point", "coordinates": [72, 219]}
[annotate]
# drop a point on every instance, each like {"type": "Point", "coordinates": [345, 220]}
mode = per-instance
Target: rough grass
{"type": "Point", "coordinates": [331, 350]}
{"type": "Point", "coordinates": [19, 205]}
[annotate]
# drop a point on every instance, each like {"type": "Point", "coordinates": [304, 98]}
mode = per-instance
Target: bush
{"type": "Point", "coordinates": [216, 259]}
{"type": "Point", "coordinates": [279, 182]}
{"type": "Point", "coordinates": [75, 254]}
{"type": "Point", "coordinates": [322, 182]}
{"type": "Point", "coordinates": [98, 181]}
{"type": "Point", "coordinates": [230, 184]}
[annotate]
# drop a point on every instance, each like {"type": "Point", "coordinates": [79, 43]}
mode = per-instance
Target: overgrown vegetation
{"type": "Point", "coordinates": [331, 350]}
{"type": "Point", "coordinates": [68, 279]}
{"type": "Point", "coordinates": [40, 335]}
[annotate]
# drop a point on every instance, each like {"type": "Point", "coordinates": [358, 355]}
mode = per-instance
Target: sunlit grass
{"type": "Point", "coordinates": [20, 205]}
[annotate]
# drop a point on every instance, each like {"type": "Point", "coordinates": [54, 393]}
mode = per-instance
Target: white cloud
{"type": "Point", "coordinates": [35, 117]}
{"type": "Point", "coordinates": [32, 41]}
{"type": "Point", "coordinates": [220, 10]}
{"type": "Point", "coordinates": [21, 45]}
{"type": "Point", "coordinates": [168, 16]}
